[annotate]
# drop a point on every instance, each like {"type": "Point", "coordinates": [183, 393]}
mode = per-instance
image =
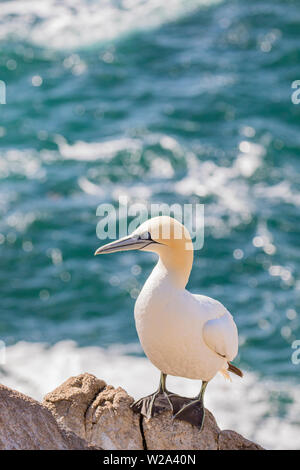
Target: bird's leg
{"type": "Point", "coordinates": [193, 411]}
{"type": "Point", "coordinates": [156, 403]}
{"type": "Point", "coordinates": [163, 389]}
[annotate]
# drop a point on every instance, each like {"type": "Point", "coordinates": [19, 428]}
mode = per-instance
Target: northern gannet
{"type": "Point", "coordinates": [183, 334]}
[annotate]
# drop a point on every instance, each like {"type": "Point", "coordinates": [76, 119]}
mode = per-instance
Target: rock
{"type": "Point", "coordinates": [26, 424]}
{"type": "Point", "coordinates": [231, 440]}
{"type": "Point", "coordinates": [111, 422]}
{"type": "Point", "coordinates": [102, 415]}
{"type": "Point", "coordinates": [71, 400]}
{"type": "Point", "coordinates": [162, 432]}
{"type": "Point", "coordinates": [96, 412]}
{"type": "Point", "coordinates": [85, 413]}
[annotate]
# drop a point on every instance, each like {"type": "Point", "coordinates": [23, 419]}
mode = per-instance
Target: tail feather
{"type": "Point", "coordinates": [234, 370]}
{"type": "Point", "coordinates": [225, 374]}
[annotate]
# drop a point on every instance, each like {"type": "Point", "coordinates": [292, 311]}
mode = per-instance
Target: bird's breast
{"type": "Point", "coordinates": [169, 327]}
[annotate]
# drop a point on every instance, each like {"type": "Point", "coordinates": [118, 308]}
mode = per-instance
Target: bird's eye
{"type": "Point", "coordinates": [145, 236]}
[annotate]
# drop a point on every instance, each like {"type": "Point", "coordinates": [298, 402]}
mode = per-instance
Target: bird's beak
{"type": "Point", "coordinates": [124, 244]}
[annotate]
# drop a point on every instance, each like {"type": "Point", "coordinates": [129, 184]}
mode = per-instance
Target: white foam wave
{"type": "Point", "coordinates": [250, 406]}
{"type": "Point", "coordinates": [78, 23]}
{"type": "Point", "coordinates": [91, 151]}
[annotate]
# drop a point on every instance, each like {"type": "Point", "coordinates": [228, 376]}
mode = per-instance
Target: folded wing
{"type": "Point", "coordinates": [221, 335]}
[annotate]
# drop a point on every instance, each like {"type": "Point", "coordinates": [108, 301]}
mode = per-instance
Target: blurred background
{"type": "Point", "coordinates": [180, 101]}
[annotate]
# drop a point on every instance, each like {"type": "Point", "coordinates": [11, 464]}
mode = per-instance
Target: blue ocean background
{"type": "Point", "coordinates": [187, 101]}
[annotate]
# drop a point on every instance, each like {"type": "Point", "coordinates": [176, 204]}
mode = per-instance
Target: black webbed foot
{"type": "Point", "coordinates": [191, 410]}
{"type": "Point", "coordinates": [153, 404]}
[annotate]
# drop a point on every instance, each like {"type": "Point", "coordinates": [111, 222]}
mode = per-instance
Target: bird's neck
{"type": "Point", "coordinates": [178, 268]}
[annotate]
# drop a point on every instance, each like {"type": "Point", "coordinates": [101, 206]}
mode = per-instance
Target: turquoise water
{"type": "Point", "coordinates": [185, 103]}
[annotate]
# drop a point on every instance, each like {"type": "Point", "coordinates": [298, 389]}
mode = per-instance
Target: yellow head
{"type": "Point", "coordinates": [162, 235]}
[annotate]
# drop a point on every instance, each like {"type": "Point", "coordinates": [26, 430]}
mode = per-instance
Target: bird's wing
{"type": "Point", "coordinates": [219, 330]}
{"type": "Point", "coordinates": [220, 335]}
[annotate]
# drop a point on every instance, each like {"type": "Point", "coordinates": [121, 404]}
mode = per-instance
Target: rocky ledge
{"type": "Point", "coordinates": [86, 413]}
